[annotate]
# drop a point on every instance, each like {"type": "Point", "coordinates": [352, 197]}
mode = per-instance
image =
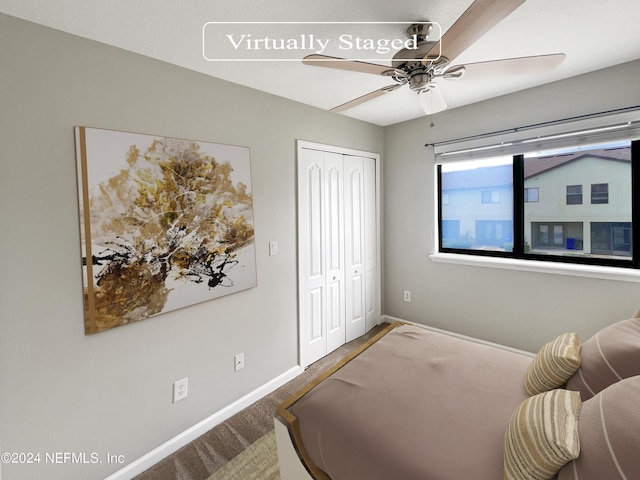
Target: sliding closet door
{"type": "Point", "coordinates": [354, 246]}
{"type": "Point", "coordinates": [321, 255]}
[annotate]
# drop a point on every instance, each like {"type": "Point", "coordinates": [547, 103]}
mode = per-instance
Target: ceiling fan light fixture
{"type": "Point", "coordinates": [431, 100]}
{"type": "Point", "coordinates": [425, 101]}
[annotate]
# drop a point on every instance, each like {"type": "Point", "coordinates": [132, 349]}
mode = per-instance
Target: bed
{"type": "Point", "coordinates": [418, 404]}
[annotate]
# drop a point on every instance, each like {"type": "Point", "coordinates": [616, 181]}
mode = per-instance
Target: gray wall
{"type": "Point", "coordinates": [521, 309]}
{"type": "Point", "coordinates": [62, 391]}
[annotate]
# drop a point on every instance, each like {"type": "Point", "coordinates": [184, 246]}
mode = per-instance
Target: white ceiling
{"type": "Point", "coordinates": [594, 34]}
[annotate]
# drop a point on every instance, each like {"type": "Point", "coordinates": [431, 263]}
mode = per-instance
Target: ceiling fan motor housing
{"type": "Point", "coordinates": [409, 63]}
{"type": "Point", "coordinates": [419, 79]}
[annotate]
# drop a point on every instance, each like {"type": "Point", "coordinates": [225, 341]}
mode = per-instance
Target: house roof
{"type": "Point", "coordinates": [501, 175]}
{"type": "Point", "coordinates": [543, 164]}
{"type": "Point", "coordinates": [487, 177]}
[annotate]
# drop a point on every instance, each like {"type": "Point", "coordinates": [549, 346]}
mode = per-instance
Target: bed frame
{"type": "Point", "coordinates": [295, 462]}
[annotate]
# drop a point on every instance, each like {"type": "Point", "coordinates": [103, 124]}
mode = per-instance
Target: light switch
{"type": "Point", "coordinates": [273, 248]}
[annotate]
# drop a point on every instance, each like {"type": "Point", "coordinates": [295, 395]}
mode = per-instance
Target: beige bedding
{"type": "Point", "coordinates": [415, 405]}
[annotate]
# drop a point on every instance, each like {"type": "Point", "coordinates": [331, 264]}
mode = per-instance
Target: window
{"type": "Point", "coordinates": [531, 194]}
{"type": "Point", "coordinates": [574, 194]}
{"type": "Point", "coordinates": [599, 193]}
{"type": "Point", "coordinates": [563, 235]}
{"type": "Point", "coordinates": [542, 234]}
{"type": "Point", "coordinates": [611, 238]}
{"type": "Point", "coordinates": [479, 212]}
{"type": "Point", "coordinates": [531, 206]}
{"type": "Point", "coordinates": [491, 196]}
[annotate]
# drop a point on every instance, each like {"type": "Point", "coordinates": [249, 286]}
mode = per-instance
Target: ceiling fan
{"type": "Point", "coordinates": [422, 67]}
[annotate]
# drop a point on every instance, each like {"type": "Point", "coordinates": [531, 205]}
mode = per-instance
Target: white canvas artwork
{"type": "Point", "coordinates": [165, 223]}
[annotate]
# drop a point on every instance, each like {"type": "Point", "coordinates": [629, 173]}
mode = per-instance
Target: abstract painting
{"type": "Point", "coordinates": [165, 223]}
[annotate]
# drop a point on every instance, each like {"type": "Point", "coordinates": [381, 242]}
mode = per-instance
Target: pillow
{"type": "Point", "coordinates": [554, 364]}
{"type": "Point", "coordinates": [609, 356]}
{"type": "Point", "coordinates": [542, 436]}
{"type": "Point", "coordinates": [609, 431]}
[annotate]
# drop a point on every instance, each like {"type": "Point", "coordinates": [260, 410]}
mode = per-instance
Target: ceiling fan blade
{"type": "Point", "coordinates": [317, 60]}
{"type": "Point", "coordinates": [477, 20]}
{"type": "Point", "coordinates": [365, 98]}
{"type": "Point", "coordinates": [514, 66]}
{"type": "Point", "coordinates": [432, 101]}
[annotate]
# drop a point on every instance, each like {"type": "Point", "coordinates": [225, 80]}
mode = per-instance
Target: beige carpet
{"type": "Point", "coordinates": [258, 462]}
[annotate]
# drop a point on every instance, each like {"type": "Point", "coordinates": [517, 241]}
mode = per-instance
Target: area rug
{"type": "Point", "coordinates": [258, 462]}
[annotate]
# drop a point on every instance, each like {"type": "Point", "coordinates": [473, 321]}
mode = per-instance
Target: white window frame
{"type": "Point", "coordinates": [593, 129]}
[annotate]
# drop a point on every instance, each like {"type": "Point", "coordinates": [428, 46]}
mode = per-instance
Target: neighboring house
{"type": "Point", "coordinates": [579, 201]}
{"type": "Point", "coordinates": [477, 208]}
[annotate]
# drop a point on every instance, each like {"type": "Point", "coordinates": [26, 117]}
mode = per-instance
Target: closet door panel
{"type": "Point", "coordinates": [354, 246]}
{"type": "Point", "coordinates": [372, 300]}
{"type": "Point", "coordinates": [334, 250]}
{"type": "Point", "coordinates": [311, 233]}
{"type": "Point", "coordinates": [335, 315]}
{"type": "Point", "coordinates": [315, 315]}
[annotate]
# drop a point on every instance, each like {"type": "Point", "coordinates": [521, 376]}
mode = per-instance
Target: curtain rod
{"type": "Point", "coordinates": [536, 125]}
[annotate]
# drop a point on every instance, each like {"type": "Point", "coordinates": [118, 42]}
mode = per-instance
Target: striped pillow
{"type": "Point", "coordinates": [609, 430]}
{"type": "Point", "coordinates": [542, 436]}
{"type": "Point", "coordinates": [554, 364]}
{"type": "Point", "coordinates": [609, 356]}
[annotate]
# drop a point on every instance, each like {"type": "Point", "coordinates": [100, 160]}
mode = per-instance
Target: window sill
{"type": "Point", "coordinates": [552, 268]}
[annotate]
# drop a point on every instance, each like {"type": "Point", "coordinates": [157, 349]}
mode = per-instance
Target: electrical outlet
{"type": "Point", "coordinates": [407, 296]}
{"type": "Point", "coordinates": [238, 362]}
{"type": "Point", "coordinates": [180, 389]}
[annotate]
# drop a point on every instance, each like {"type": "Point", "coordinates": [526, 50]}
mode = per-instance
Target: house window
{"type": "Point", "coordinates": [491, 196]}
{"type": "Point", "coordinates": [574, 194]}
{"type": "Point", "coordinates": [542, 236]}
{"type": "Point", "coordinates": [496, 234]}
{"type": "Point", "coordinates": [599, 193]}
{"type": "Point", "coordinates": [531, 194]}
{"type": "Point", "coordinates": [611, 238]}
{"type": "Point", "coordinates": [556, 238]}
{"type": "Point", "coordinates": [535, 219]}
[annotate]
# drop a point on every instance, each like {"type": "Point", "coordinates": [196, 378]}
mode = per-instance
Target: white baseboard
{"type": "Point", "coordinates": [390, 319]}
{"type": "Point", "coordinates": [148, 460]}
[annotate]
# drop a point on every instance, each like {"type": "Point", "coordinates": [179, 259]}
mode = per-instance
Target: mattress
{"type": "Point", "coordinates": [416, 404]}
